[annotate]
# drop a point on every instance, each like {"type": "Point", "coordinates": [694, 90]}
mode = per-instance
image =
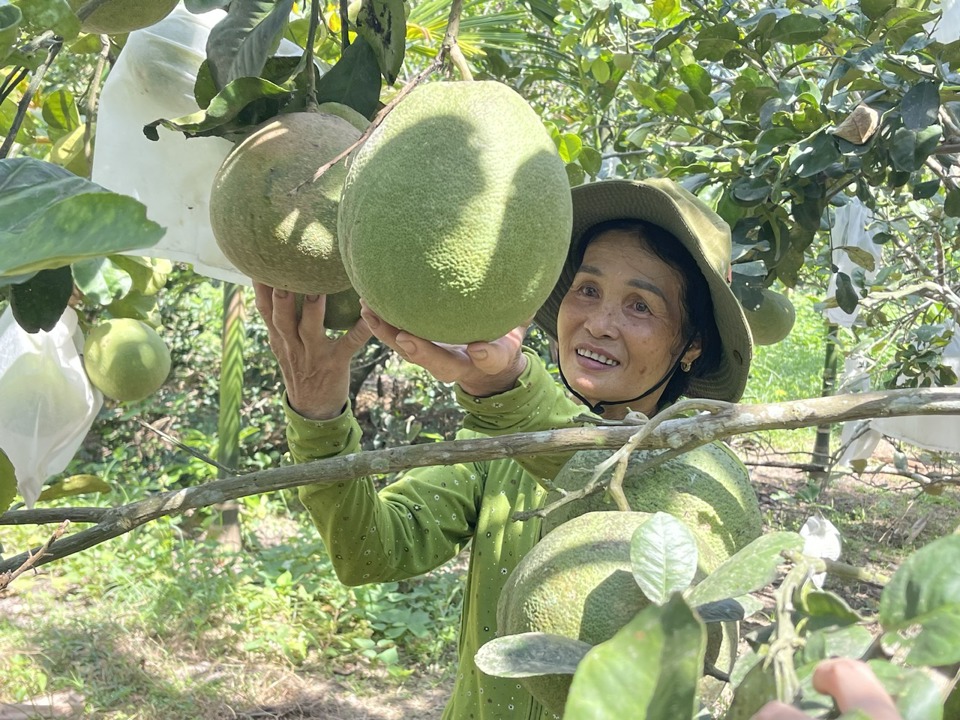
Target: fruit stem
{"type": "Point", "coordinates": [309, 68]}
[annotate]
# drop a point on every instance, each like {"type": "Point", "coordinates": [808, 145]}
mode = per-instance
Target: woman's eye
{"type": "Point", "coordinates": [587, 290]}
{"type": "Point", "coordinates": [640, 306]}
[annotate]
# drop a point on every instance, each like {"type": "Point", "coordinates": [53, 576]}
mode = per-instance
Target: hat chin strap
{"type": "Point", "coordinates": [600, 406]}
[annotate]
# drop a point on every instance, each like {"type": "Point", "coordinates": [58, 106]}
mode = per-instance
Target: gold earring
{"type": "Point", "coordinates": [685, 366]}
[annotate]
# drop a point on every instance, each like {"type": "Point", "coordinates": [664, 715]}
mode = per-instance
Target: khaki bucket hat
{"type": "Point", "coordinates": [706, 237]}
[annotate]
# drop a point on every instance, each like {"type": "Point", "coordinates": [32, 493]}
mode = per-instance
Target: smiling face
{"type": "Point", "coordinates": [620, 326]}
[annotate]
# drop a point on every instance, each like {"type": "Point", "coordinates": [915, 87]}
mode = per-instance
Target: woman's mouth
{"type": "Point", "coordinates": [596, 357]}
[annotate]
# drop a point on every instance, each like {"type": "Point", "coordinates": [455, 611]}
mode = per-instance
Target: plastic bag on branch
{"type": "Point", "coordinates": [153, 78]}
{"type": "Point", "coordinates": [47, 404]}
{"type": "Point", "coordinates": [940, 433]}
{"type": "Point", "coordinates": [850, 230]}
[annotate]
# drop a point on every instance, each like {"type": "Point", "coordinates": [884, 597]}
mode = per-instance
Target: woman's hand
{"type": "Point", "coordinates": [851, 683]}
{"type": "Point", "coordinates": [315, 368]}
{"type": "Point", "coordinates": [480, 368]}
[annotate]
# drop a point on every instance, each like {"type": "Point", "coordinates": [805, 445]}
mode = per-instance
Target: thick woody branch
{"type": "Point", "coordinates": [672, 434]}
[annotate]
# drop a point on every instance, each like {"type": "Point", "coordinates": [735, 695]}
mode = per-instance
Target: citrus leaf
{"type": "Point", "coordinates": [658, 655]}
{"type": "Point", "coordinates": [569, 147]}
{"type": "Point", "coordinates": [28, 187]}
{"type": "Point", "coordinates": [56, 15]}
{"type": "Point", "coordinates": [861, 257]}
{"type": "Point", "coordinates": [797, 29]}
{"type": "Point", "coordinates": [590, 160]}
{"type": "Point", "coordinates": [663, 554]}
{"type": "Point", "coordinates": [10, 19]}
{"type": "Point", "coordinates": [74, 485]}
{"type": "Point", "coordinates": [60, 112]}
{"type": "Point", "coordinates": [847, 298]}
{"type": "Point", "coordinates": [920, 105]}
{"type": "Point", "coordinates": [757, 688]}
{"type": "Point", "coordinates": [383, 24]}
{"type": "Point", "coordinates": [38, 303]}
{"type": "Point", "coordinates": [916, 694]}
{"type": "Point", "coordinates": [239, 45]}
{"type": "Point", "coordinates": [354, 80]}
{"type": "Point", "coordinates": [8, 482]}
{"type": "Point", "coordinates": [264, 98]}
{"type": "Point", "coordinates": [100, 280]}
{"type": "Point", "coordinates": [78, 227]}
{"type": "Point", "coordinates": [753, 567]}
{"type": "Point", "coordinates": [874, 9]}
{"type": "Point", "coordinates": [530, 654]}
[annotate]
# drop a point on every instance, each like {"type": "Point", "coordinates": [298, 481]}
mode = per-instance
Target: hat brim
{"type": "Point", "coordinates": [654, 202]}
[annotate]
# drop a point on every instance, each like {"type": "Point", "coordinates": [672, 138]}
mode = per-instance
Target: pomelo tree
{"type": "Point", "coordinates": [781, 116]}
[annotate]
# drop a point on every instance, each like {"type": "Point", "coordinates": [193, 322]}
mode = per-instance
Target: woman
{"type": "Point", "coordinates": [642, 314]}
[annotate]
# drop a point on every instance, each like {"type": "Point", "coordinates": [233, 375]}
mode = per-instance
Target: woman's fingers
{"type": "Point", "coordinates": [855, 687]}
{"type": "Point", "coordinates": [779, 711]}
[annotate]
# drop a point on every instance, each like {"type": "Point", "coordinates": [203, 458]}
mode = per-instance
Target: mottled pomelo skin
{"type": "Point", "coordinates": [456, 213]}
{"type": "Point", "coordinates": [578, 582]}
{"type": "Point", "coordinates": [126, 359]}
{"type": "Point", "coordinates": [773, 320]}
{"type": "Point", "coordinates": [278, 236]}
{"type": "Point", "coordinates": [708, 488]}
{"type": "Point", "coordinates": [122, 16]}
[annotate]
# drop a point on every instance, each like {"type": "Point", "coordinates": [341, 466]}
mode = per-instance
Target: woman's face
{"type": "Point", "coordinates": [620, 325]}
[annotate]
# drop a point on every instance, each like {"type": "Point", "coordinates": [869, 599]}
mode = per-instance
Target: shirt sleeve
{"type": "Point", "coordinates": [536, 403]}
{"type": "Point", "coordinates": [408, 528]}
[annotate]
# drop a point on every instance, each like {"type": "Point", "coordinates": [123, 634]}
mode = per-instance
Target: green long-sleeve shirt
{"type": "Point", "coordinates": [428, 514]}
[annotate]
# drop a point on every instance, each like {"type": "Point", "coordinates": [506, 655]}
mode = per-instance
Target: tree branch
{"type": "Point", "coordinates": [672, 434]}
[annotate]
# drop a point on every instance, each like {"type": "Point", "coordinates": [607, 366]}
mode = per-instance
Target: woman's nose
{"type": "Point", "coordinates": [602, 322]}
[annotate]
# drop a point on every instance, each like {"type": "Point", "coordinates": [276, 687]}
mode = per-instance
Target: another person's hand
{"type": "Point", "coordinates": [315, 367]}
{"type": "Point", "coordinates": [851, 683]}
{"type": "Point", "coordinates": [480, 368]}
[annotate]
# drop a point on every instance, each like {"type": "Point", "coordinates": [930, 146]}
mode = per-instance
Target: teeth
{"type": "Point", "coordinates": [596, 356]}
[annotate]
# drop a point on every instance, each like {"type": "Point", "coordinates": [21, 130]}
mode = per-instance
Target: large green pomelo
{"type": "Point", "coordinates": [126, 359]}
{"type": "Point", "coordinates": [456, 214]}
{"type": "Point", "coordinates": [708, 488]}
{"type": "Point", "coordinates": [122, 16]}
{"type": "Point", "coordinates": [578, 582]}
{"type": "Point", "coordinates": [773, 320]}
{"type": "Point", "coordinates": [270, 230]}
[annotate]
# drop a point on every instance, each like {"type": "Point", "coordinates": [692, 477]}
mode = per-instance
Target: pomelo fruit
{"type": "Point", "coordinates": [578, 582]}
{"type": "Point", "coordinates": [707, 488]}
{"type": "Point", "coordinates": [122, 16]}
{"type": "Point", "coordinates": [773, 320]}
{"type": "Point", "coordinates": [342, 310]}
{"type": "Point", "coordinates": [276, 234]}
{"type": "Point", "coordinates": [126, 359]}
{"type": "Point", "coordinates": [456, 213]}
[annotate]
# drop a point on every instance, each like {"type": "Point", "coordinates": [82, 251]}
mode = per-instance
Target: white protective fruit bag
{"type": "Point", "coordinates": [47, 403]}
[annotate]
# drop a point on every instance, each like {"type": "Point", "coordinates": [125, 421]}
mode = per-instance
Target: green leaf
{"type": "Point", "coordinates": [658, 656]}
{"type": "Point", "coordinates": [874, 9]}
{"type": "Point", "coordinates": [663, 555]}
{"type": "Point", "coordinates": [753, 567]}
{"type": "Point", "coordinates": [696, 78]}
{"type": "Point", "coordinates": [925, 592]}
{"type": "Point", "coordinates": [757, 688]}
{"type": "Point", "coordinates": [769, 140]}
{"type": "Point", "coordinates": [79, 227]}
{"type": "Point", "coordinates": [861, 257]}
{"type": "Point", "coordinates": [921, 105]}
{"type": "Point", "coordinates": [8, 482]}
{"type": "Point", "coordinates": [28, 187]}
{"type": "Point", "coordinates": [951, 203]}
{"type": "Point", "coordinates": [244, 102]}
{"type": "Point", "coordinates": [810, 157]}
{"type": "Point", "coordinates": [798, 29]}
{"type": "Point", "coordinates": [60, 112]}
{"type": "Point", "coordinates": [590, 160]}
{"type": "Point", "coordinates": [847, 297]}
{"type": "Point", "coordinates": [383, 24]}
{"type": "Point", "coordinates": [10, 19]}
{"type": "Point", "coordinates": [909, 149]}
{"type": "Point", "coordinates": [239, 45]}
{"type": "Point", "coordinates": [38, 303]}
{"type": "Point", "coordinates": [42, 15]}
{"type": "Point", "coordinates": [100, 280]}
{"type": "Point", "coordinates": [715, 41]}
{"type": "Point", "coordinates": [915, 692]}
{"type": "Point", "coordinates": [354, 80]}
{"type": "Point", "coordinates": [531, 654]}
{"type": "Point", "coordinates": [569, 147]}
